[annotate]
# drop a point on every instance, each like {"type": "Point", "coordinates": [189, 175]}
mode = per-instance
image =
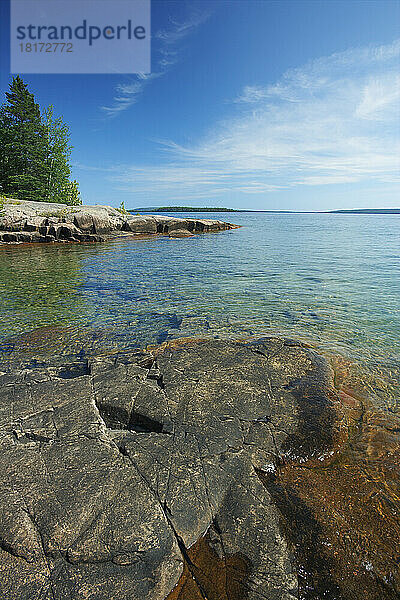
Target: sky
{"type": "Point", "coordinates": [252, 104]}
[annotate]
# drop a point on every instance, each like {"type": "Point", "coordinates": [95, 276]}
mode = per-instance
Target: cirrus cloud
{"type": "Point", "coordinates": [128, 94]}
{"type": "Point", "coordinates": [334, 120]}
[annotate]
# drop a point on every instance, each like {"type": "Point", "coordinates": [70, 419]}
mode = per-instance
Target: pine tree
{"type": "Point", "coordinates": [22, 144]}
{"type": "Point", "coordinates": [34, 150]}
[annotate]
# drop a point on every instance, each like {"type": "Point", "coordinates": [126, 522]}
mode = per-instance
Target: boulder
{"type": "Point", "coordinates": [139, 224]}
{"type": "Point", "coordinates": [83, 221]}
{"type": "Point", "coordinates": [102, 223]}
{"type": "Point", "coordinates": [166, 224]}
{"type": "Point", "coordinates": [96, 219]}
{"type": "Point", "coordinates": [112, 468]}
{"type": "Point", "coordinates": [203, 225]}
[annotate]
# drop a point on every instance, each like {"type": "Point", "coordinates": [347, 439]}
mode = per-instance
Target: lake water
{"type": "Point", "coordinates": [332, 280]}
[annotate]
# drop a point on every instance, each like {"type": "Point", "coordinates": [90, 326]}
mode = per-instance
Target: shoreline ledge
{"type": "Point", "coordinates": [113, 467]}
{"type": "Point", "coordinates": [23, 221]}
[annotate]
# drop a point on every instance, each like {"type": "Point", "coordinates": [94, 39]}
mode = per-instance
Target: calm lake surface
{"type": "Point", "coordinates": [331, 280]}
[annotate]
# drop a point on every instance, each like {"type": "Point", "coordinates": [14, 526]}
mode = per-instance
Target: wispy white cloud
{"type": "Point", "coordinates": [380, 97]}
{"type": "Point", "coordinates": [252, 94]}
{"type": "Point", "coordinates": [127, 94]}
{"type": "Point", "coordinates": [179, 30]}
{"type": "Point", "coordinates": [333, 121]}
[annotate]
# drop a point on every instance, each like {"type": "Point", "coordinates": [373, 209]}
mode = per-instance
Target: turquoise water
{"type": "Point", "coordinates": [332, 280]}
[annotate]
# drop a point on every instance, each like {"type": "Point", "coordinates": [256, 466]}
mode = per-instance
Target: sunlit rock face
{"type": "Point", "coordinates": [140, 475]}
{"type": "Point", "coordinates": [31, 222]}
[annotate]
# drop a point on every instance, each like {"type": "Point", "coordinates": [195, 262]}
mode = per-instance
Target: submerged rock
{"type": "Point", "coordinates": [27, 221]}
{"type": "Point", "coordinates": [113, 468]}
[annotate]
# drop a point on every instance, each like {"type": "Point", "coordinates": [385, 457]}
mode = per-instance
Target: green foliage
{"type": "Point", "coordinates": [22, 144]}
{"type": "Point", "coordinates": [122, 209]}
{"type": "Point", "coordinates": [58, 152]}
{"type": "Point", "coordinates": [34, 150]}
{"type": "Point", "coordinates": [73, 194]}
{"type": "Point", "coordinates": [4, 201]}
{"type": "Point", "coordinates": [10, 201]}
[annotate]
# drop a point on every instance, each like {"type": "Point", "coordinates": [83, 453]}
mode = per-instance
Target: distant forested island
{"type": "Point", "coordinates": [368, 211]}
{"type": "Point", "coordinates": [200, 209]}
{"type": "Point", "coordinates": [358, 211]}
{"type": "Point", "coordinates": [184, 209]}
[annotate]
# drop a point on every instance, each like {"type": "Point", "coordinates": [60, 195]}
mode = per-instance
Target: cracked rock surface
{"type": "Point", "coordinates": [112, 468]}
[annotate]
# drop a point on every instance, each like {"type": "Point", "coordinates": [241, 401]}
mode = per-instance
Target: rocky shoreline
{"type": "Point", "coordinates": [32, 222]}
{"type": "Point", "coordinates": [198, 468]}
{"type": "Point", "coordinates": [112, 468]}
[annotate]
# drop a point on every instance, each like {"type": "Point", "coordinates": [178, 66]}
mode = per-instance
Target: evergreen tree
{"type": "Point", "coordinates": [22, 144]}
{"type": "Point", "coordinates": [34, 150]}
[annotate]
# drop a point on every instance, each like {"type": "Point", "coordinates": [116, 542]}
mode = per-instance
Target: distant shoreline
{"type": "Point", "coordinates": [351, 211]}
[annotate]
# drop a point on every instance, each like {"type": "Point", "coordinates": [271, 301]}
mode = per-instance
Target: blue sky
{"type": "Point", "coordinates": [250, 104]}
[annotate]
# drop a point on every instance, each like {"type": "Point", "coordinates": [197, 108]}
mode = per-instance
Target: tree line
{"type": "Point", "coordinates": [34, 150]}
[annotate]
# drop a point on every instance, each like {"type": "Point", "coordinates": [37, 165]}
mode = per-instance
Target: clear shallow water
{"type": "Point", "coordinates": [332, 280]}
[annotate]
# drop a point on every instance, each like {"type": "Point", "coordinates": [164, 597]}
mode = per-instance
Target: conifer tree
{"type": "Point", "coordinates": [34, 150]}
{"type": "Point", "coordinates": [22, 144]}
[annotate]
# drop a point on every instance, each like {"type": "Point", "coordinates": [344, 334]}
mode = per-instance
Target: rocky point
{"type": "Point", "coordinates": [29, 222]}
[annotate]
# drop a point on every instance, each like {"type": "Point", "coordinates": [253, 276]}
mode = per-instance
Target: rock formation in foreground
{"type": "Point", "coordinates": [112, 468]}
{"type": "Point", "coordinates": [25, 221]}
